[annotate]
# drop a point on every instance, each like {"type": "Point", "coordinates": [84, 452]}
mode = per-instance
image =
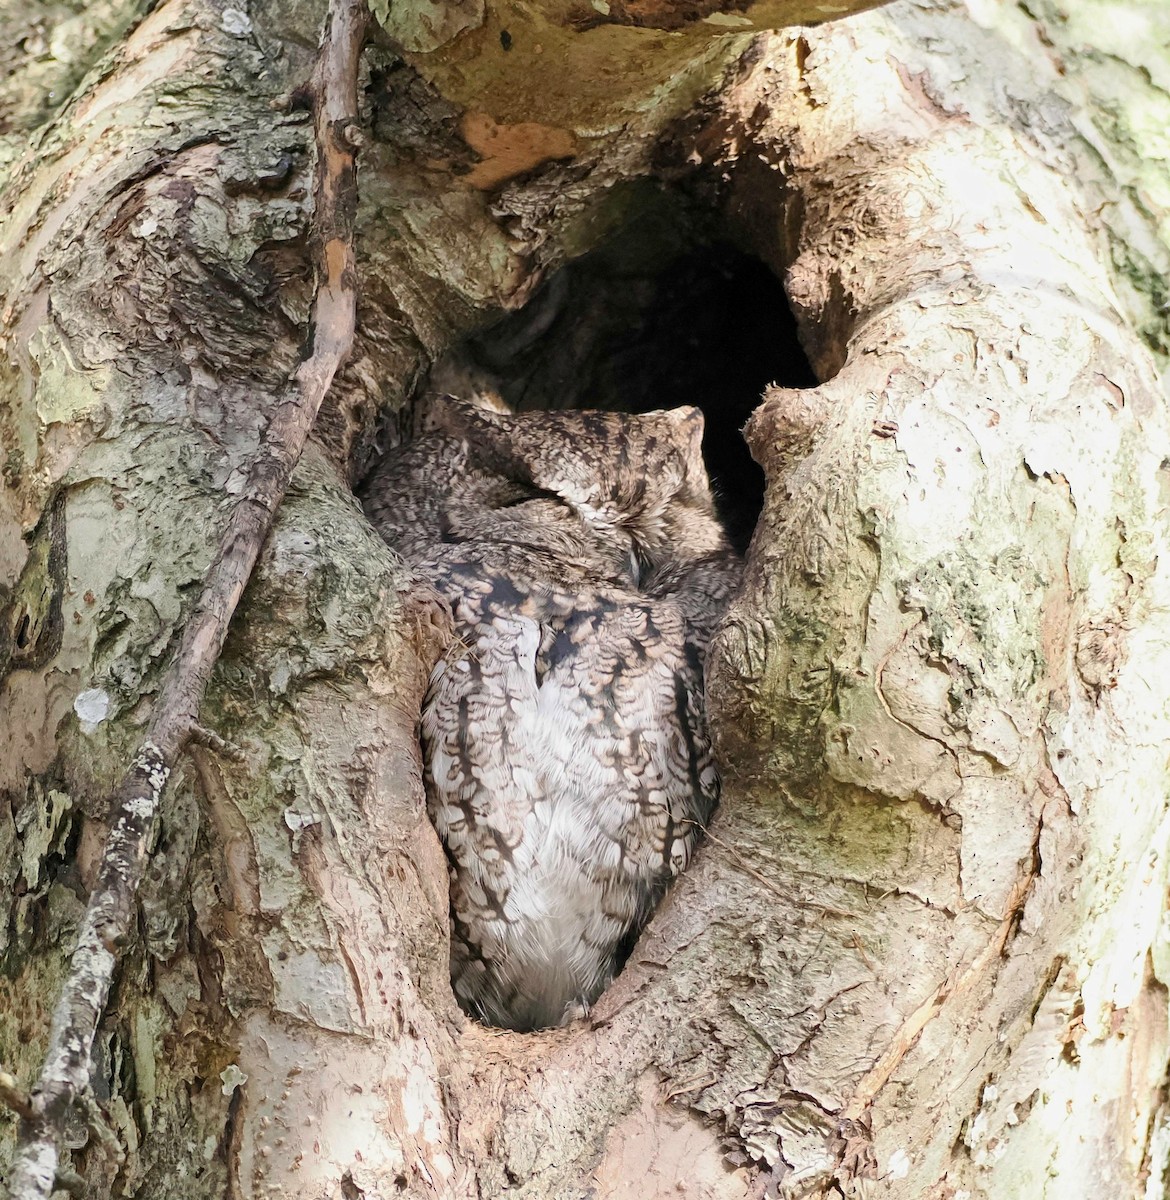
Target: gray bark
{"type": "Point", "coordinates": [923, 953]}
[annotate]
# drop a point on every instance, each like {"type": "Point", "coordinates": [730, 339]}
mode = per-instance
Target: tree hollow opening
{"type": "Point", "coordinates": [666, 312]}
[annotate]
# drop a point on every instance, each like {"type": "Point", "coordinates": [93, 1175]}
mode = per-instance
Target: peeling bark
{"type": "Point", "coordinates": [921, 954]}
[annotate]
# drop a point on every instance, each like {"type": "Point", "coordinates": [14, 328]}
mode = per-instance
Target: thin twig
{"type": "Point", "coordinates": [696, 1083]}
{"type": "Point", "coordinates": [14, 1097]}
{"type": "Point", "coordinates": [208, 737]}
{"type": "Point", "coordinates": [64, 1075]}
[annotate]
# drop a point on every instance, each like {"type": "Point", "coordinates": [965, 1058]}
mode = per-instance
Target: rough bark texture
{"type": "Point", "coordinates": [923, 954]}
{"type": "Point", "coordinates": [64, 1080]}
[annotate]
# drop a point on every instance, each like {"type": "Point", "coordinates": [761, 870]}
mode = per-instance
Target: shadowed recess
{"type": "Point", "coordinates": [660, 316]}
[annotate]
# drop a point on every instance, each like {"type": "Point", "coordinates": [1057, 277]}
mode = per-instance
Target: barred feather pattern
{"type": "Point", "coordinates": [567, 761]}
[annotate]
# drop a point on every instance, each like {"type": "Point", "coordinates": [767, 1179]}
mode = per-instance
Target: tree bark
{"type": "Point", "coordinates": [922, 953]}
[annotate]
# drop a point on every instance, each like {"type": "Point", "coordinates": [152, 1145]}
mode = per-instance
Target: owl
{"type": "Point", "coordinates": [567, 762]}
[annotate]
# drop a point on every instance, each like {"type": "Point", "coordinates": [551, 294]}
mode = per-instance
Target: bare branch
{"type": "Point", "coordinates": [203, 736]}
{"type": "Point", "coordinates": [64, 1075]}
{"type": "Point", "coordinates": [14, 1097]}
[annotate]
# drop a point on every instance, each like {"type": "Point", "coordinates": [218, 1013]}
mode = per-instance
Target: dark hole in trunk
{"type": "Point", "coordinates": [655, 319]}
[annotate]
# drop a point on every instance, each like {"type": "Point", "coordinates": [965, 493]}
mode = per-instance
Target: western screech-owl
{"type": "Point", "coordinates": [567, 760]}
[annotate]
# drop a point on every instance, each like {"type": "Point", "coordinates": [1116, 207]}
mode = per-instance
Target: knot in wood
{"type": "Point", "coordinates": [784, 429]}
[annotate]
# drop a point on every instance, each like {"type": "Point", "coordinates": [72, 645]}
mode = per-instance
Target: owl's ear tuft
{"type": "Point", "coordinates": [686, 416]}
{"type": "Point", "coordinates": [688, 425]}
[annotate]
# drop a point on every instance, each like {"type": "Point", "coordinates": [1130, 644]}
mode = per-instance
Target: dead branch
{"type": "Point", "coordinates": [14, 1097]}
{"type": "Point", "coordinates": [64, 1076]}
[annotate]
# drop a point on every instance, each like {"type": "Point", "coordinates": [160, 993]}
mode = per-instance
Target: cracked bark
{"type": "Point", "coordinates": [928, 924]}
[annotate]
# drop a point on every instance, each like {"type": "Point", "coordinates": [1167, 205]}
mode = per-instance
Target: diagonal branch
{"type": "Point", "coordinates": [64, 1075]}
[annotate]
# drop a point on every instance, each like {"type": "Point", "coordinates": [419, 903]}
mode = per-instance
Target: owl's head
{"type": "Point", "coordinates": [636, 476]}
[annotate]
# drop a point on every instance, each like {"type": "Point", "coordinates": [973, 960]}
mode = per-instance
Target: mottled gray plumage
{"type": "Point", "coordinates": [568, 765]}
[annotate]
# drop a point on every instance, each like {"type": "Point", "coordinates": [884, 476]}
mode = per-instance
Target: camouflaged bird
{"type": "Point", "coordinates": [567, 761]}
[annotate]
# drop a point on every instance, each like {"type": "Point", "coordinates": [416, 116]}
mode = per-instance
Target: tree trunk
{"type": "Point", "coordinates": [923, 952]}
